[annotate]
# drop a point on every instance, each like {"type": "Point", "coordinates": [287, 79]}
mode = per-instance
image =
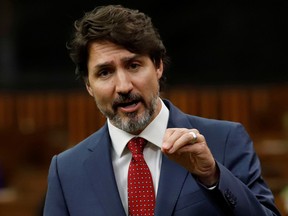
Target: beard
{"type": "Point", "coordinates": [131, 122]}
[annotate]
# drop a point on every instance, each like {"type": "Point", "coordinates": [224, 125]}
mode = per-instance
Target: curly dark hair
{"type": "Point", "coordinates": [126, 27]}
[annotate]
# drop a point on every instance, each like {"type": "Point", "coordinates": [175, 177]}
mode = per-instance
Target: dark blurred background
{"type": "Point", "coordinates": [209, 42]}
{"type": "Point", "coordinates": [229, 61]}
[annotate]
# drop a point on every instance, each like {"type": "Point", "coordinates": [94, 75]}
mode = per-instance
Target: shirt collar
{"type": "Point", "coordinates": [154, 132]}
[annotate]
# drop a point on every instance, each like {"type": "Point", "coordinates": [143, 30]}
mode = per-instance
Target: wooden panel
{"type": "Point", "coordinates": [209, 103]}
{"type": "Point", "coordinates": [7, 109]}
{"type": "Point", "coordinates": [258, 109]}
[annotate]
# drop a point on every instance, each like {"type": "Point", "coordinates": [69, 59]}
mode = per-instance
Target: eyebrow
{"type": "Point", "coordinates": [124, 59]}
{"type": "Point", "coordinates": [127, 59]}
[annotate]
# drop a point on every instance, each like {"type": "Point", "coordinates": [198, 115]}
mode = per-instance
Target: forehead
{"type": "Point", "coordinates": [107, 51]}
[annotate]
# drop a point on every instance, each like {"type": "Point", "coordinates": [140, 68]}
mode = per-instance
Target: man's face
{"type": "Point", "coordinates": [124, 85]}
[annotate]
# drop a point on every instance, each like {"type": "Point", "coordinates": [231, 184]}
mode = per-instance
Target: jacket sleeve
{"type": "Point", "coordinates": [241, 184]}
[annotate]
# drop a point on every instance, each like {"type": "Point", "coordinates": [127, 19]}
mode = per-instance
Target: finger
{"type": "Point", "coordinates": [178, 139]}
{"type": "Point", "coordinates": [194, 137]}
{"type": "Point", "coordinates": [183, 142]}
{"type": "Point", "coordinates": [169, 138]}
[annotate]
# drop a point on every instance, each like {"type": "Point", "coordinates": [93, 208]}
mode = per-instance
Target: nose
{"type": "Point", "coordinates": [123, 82]}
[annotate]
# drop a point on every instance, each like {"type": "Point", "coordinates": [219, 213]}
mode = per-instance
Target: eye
{"type": "Point", "coordinates": [104, 73]}
{"type": "Point", "coordinates": [134, 66]}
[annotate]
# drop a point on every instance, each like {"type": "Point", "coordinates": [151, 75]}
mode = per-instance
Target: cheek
{"type": "Point", "coordinates": [102, 93]}
{"type": "Point", "coordinates": [149, 87]}
{"type": "Point", "coordinates": [153, 81]}
{"type": "Point", "coordinates": [102, 99]}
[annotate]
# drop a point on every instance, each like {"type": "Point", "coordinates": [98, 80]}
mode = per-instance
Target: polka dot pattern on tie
{"type": "Point", "coordinates": [141, 195]}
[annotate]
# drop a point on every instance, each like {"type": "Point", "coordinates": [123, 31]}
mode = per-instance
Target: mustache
{"type": "Point", "coordinates": [123, 99]}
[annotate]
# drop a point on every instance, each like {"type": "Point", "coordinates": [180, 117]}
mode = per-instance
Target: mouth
{"type": "Point", "coordinates": [129, 106]}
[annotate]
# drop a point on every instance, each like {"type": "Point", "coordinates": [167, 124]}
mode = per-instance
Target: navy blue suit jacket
{"type": "Point", "coordinates": [82, 182]}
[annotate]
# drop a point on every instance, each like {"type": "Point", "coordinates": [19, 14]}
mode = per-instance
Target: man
{"type": "Point", "coordinates": [198, 166]}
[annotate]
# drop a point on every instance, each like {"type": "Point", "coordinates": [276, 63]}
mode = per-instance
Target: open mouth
{"type": "Point", "coordinates": [130, 106]}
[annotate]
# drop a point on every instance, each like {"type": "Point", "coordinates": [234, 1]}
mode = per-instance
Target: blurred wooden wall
{"type": "Point", "coordinates": [36, 125]}
{"type": "Point", "coordinates": [259, 108]}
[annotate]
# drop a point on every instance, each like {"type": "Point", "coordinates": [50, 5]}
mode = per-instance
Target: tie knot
{"type": "Point", "coordinates": [136, 145]}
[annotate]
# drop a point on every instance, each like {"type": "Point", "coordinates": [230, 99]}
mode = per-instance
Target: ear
{"type": "Point", "coordinates": [159, 70]}
{"type": "Point", "coordinates": [88, 87]}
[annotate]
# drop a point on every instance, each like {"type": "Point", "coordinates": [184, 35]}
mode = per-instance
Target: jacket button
{"type": "Point", "coordinates": [232, 200]}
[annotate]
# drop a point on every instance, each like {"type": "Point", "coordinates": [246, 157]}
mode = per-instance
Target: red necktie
{"type": "Point", "coordinates": [141, 196]}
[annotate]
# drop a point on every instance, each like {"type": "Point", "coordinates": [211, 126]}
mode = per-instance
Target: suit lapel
{"type": "Point", "coordinates": [100, 172]}
{"type": "Point", "coordinates": [172, 178]}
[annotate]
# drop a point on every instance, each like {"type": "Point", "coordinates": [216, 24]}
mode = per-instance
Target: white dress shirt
{"type": "Point", "coordinates": [121, 156]}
